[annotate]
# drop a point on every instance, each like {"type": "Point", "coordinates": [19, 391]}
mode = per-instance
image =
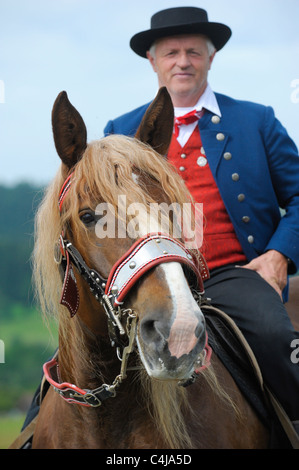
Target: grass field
{"type": "Point", "coordinates": [28, 343]}
{"type": "Point", "coordinates": [10, 426]}
{"type": "Point", "coordinates": [28, 325]}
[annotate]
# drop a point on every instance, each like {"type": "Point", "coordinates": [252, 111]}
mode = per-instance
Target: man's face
{"type": "Point", "coordinates": [182, 64]}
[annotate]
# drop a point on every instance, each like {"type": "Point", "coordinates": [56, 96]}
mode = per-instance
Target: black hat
{"type": "Point", "coordinates": [181, 20]}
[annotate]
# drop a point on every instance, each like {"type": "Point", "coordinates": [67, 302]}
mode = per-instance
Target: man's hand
{"type": "Point", "coordinates": [273, 267]}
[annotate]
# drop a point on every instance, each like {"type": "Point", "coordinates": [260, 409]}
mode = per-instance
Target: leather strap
{"type": "Point", "coordinates": [25, 436]}
{"type": "Point", "coordinates": [284, 420]}
{"type": "Point", "coordinates": [73, 394]}
{"type": "Point", "coordinates": [70, 293]}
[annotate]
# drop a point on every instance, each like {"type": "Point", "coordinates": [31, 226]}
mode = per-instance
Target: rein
{"type": "Point", "coordinates": [92, 398]}
{"type": "Point", "coordinates": [146, 253]}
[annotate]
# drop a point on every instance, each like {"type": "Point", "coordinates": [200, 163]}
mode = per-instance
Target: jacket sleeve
{"type": "Point", "coordinates": [284, 168]}
{"type": "Point", "coordinates": [127, 124]}
{"type": "Point", "coordinates": [109, 128]}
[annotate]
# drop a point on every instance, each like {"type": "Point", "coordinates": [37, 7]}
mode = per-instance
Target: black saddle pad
{"type": "Point", "coordinates": [232, 353]}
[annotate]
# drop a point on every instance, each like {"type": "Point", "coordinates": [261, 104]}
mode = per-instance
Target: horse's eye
{"type": "Point", "coordinates": [87, 218]}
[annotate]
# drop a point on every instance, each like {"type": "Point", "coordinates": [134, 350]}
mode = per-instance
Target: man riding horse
{"type": "Point", "coordinates": [237, 159]}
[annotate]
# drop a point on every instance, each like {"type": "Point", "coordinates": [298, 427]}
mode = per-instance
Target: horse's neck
{"type": "Point", "coordinates": [89, 369]}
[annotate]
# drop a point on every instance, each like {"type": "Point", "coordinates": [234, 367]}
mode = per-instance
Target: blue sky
{"type": "Point", "coordinates": [82, 46]}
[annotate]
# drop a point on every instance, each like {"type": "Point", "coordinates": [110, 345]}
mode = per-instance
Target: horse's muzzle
{"type": "Point", "coordinates": [170, 350]}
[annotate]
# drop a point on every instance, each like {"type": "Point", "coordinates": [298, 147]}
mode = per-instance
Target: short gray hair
{"type": "Point", "coordinates": [210, 46]}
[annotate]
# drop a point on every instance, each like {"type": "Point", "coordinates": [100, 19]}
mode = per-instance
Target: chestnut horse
{"type": "Point", "coordinates": [131, 331]}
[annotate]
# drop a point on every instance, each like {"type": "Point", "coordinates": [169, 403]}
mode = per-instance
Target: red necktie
{"type": "Point", "coordinates": [188, 118]}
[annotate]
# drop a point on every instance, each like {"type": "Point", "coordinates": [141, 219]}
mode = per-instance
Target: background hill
{"type": "Point", "coordinates": [27, 340]}
{"type": "Point", "coordinates": [17, 208]}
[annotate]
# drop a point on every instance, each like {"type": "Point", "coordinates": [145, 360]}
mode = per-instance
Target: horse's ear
{"type": "Point", "coordinates": [69, 131]}
{"type": "Point", "coordinates": [156, 127]}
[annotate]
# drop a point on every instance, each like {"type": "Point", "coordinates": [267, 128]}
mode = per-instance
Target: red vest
{"type": "Point", "coordinates": [220, 243]}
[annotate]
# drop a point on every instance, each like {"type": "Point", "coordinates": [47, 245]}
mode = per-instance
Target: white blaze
{"type": "Point", "coordinates": [186, 313]}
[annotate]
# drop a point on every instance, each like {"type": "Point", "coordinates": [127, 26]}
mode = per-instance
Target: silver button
{"type": "Point", "coordinates": [241, 197]}
{"type": "Point", "coordinates": [220, 136]}
{"type": "Point", "coordinates": [246, 219]}
{"type": "Point", "coordinates": [202, 161]}
{"type": "Point", "coordinates": [182, 168]}
{"type": "Point", "coordinates": [250, 239]}
{"type": "Point", "coordinates": [202, 150]}
{"type": "Point", "coordinates": [227, 156]}
{"type": "Point", "coordinates": [215, 119]}
{"type": "Point", "coordinates": [183, 155]}
{"type": "Point", "coordinates": [235, 177]}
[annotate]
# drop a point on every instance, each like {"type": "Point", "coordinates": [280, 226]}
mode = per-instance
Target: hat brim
{"type": "Point", "coordinates": [218, 33]}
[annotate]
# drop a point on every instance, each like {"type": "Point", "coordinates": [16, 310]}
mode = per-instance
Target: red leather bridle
{"type": "Point", "coordinates": [146, 253]}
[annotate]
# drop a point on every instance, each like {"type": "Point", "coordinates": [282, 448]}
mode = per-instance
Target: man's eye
{"type": "Point", "coordinates": [87, 218]}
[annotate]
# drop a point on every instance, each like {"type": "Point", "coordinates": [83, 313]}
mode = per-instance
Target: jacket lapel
{"type": "Point", "coordinates": [214, 139]}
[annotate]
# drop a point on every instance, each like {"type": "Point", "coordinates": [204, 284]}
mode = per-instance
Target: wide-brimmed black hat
{"type": "Point", "coordinates": [181, 20]}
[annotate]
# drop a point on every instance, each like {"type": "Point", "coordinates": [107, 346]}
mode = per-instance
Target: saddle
{"type": "Point", "coordinates": [229, 344]}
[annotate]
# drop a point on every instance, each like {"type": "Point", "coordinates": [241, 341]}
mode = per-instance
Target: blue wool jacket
{"type": "Point", "coordinates": [256, 167]}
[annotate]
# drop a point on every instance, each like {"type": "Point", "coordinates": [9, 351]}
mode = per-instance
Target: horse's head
{"type": "Point", "coordinates": [109, 190]}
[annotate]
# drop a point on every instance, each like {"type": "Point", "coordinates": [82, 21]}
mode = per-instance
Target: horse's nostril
{"type": "Point", "coordinates": [146, 329]}
{"type": "Point", "coordinates": [153, 330]}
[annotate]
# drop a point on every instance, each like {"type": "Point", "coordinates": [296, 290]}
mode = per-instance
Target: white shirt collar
{"type": "Point", "coordinates": [207, 100]}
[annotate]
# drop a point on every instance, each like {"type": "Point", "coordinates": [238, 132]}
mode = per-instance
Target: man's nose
{"type": "Point", "coordinates": [183, 60]}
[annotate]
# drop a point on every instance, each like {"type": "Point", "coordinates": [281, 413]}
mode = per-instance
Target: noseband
{"type": "Point", "coordinates": [143, 255]}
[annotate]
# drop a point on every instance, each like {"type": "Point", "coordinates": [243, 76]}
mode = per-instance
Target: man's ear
{"type": "Point", "coordinates": [151, 60]}
{"type": "Point", "coordinates": [212, 58]}
{"type": "Point", "coordinates": [156, 127]}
